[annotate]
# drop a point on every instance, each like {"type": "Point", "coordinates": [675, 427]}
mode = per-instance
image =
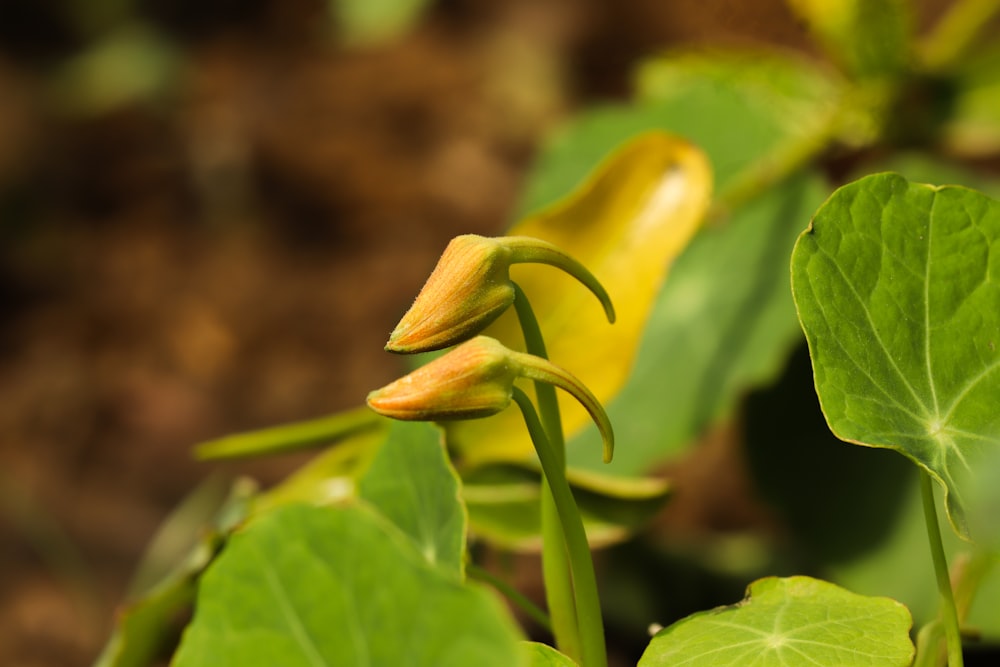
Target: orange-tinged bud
{"type": "Point", "coordinates": [470, 287]}
{"type": "Point", "coordinates": [476, 379]}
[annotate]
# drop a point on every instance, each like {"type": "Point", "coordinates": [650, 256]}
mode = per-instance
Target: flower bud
{"type": "Point", "coordinates": [470, 287]}
{"type": "Point", "coordinates": [476, 379]}
{"type": "Point", "coordinates": [473, 380]}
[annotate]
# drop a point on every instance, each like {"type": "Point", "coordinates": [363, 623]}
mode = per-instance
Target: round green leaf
{"type": "Point", "coordinates": [311, 586]}
{"type": "Point", "coordinates": [897, 287]}
{"type": "Point", "coordinates": [793, 621]}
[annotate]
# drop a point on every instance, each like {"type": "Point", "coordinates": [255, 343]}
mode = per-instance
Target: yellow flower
{"type": "Point", "coordinates": [470, 287]}
{"type": "Point", "coordinates": [476, 379]}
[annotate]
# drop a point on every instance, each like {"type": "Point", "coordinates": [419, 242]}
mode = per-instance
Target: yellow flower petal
{"type": "Point", "coordinates": [626, 223]}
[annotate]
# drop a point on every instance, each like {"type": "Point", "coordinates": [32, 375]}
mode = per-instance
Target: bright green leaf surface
{"type": "Point", "coordinates": [898, 291]}
{"type": "Point", "coordinates": [723, 322]}
{"type": "Point", "coordinates": [316, 586]}
{"type": "Point", "coordinates": [542, 655]}
{"type": "Point", "coordinates": [412, 483]}
{"type": "Point", "coordinates": [793, 621]}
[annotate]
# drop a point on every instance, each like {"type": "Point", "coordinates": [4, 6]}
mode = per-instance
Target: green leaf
{"type": "Point", "coordinates": [332, 476]}
{"type": "Point", "coordinates": [724, 322]}
{"type": "Point", "coordinates": [503, 501]}
{"type": "Point", "coordinates": [412, 483]}
{"type": "Point", "coordinates": [793, 621]}
{"type": "Point", "coordinates": [898, 291]}
{"type": "Point", "coordinates": [542, 655]}
{"type": "Point", "coordinates": [869, 38]}
{"type": "Point", "coordinates": [146, 625]}
{"type": "Point", "coordinates": [312, 586]}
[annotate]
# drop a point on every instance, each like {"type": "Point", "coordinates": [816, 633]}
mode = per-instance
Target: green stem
{"type": "Point", "coordinates": [555, 564]}
{"type": "Point", "coordinates": [558, 580]}
{"type": "Point", "coordinates": [594, 653]}
{"type": "Point", "coordinates": [949, 613]}
{"type": "Point", "coordinates": [534, 343]}
{"type": "Point", "coordinates": [515, 596]}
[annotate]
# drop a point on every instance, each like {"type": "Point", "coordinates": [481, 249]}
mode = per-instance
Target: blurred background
{"type": "Point", "coordinates": [211, 215]}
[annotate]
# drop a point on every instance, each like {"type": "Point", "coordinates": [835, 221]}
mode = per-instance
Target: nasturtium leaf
{"type": "Point", "coordinates": [144, 628]}
{"type": "Point", "coordinates": [412, 483]}
{"type": "Point", "coordinates": [504, 504]}
{"type": "Point", "coordinates": [897, 286]}
{"type": "Point", "coordinates": [306, 585]}
{"type": "Point", "coordinates": [332, 476]}
{"type": "Point", "coordinates": [791, 621]}
{"type": "Point", "coordinates": [869, 38]}
{"type": "Point", "coordinates": [146, 624]}
{"type": "Point", "coordinates": [724, 322]}
{"type": "Point", "coordinates": [543, 655]}
{"type": "Point", "coordinates": [626, 223]}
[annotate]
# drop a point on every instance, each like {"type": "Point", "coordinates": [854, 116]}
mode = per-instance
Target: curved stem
{"type": "Point", "coordinates": [529, 249]}
{"type": "Point", "coordinates": [534, 343]}
{"type": "Point", "coordinates": [949, 613]}
{"type": "Point", "coordinates": [594, 653]}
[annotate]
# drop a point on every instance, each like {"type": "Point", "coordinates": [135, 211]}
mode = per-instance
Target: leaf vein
{"type": "Point", "coordinates": [882, 346]}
